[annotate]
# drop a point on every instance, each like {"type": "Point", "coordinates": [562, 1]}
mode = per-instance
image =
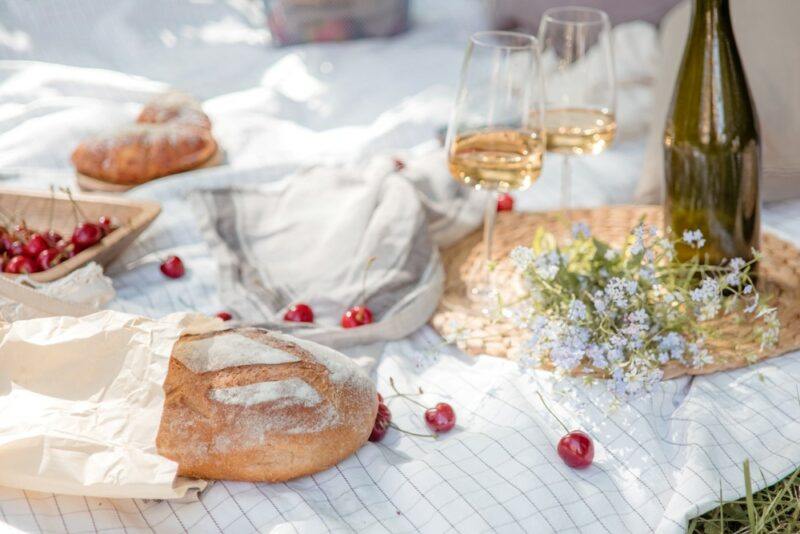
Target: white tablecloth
{"type": "Point", "coordinates": [659, 460]}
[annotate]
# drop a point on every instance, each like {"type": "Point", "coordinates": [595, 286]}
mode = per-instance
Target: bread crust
{"type": "Point", "coordinates": [172, 135]}
{"type": "Point", "coordinates": [284, 437]}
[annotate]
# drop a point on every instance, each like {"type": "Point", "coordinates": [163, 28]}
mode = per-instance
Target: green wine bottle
{"type": "Point", "coordinates": [712, 152]}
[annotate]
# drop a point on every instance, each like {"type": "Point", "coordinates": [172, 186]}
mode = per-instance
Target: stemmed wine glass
{"type": "Point", "coordinates": [494, 140]}
{"type": "Point", "coordinates": [580, 89]}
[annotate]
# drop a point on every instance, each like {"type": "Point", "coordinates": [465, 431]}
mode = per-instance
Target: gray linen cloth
{"type": "Point", "coordinates": [309, 238]}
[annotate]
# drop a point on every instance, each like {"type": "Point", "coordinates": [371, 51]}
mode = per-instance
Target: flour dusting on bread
{"type": "Point", "coordinates": [248, 404]}
{"type": "Point", "coordinates": [341, 369]}
{"type": "Point", "coordinates": [292, 391]}
{"type": "Point", "coordinates": [229, 349]}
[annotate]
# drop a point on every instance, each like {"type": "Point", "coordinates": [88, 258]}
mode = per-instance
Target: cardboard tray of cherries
{"type": "Point", "coordinates": [48, 234]}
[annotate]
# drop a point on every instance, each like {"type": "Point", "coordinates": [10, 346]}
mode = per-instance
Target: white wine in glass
{"type": "Point", "coordinates": [579, 131]}
{"type": "Point", "coordinates": [501, 160]}
{"type": "Point", "coordinates": [494, 139]}
{"type": "Point", "coordinates": [580, 87]}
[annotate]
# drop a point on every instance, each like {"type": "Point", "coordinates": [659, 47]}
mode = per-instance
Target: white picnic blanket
{"type": "Point", "coordinates": [659, 460]}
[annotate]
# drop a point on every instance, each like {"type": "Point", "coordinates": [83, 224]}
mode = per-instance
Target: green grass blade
{"type": "Point", "coordinates": [748, 488]}
{"type": "Point", "coordinates": [777, 499]}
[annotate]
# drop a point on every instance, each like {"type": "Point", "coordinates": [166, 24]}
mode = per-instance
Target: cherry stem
{"type": "Point", "coordinates": [552, 413]}
{"type": "Point", "coordinates": [391, 383]}
{"type": "Point", "coordinates": [402, 395]}
{"type": "Point", "coordinates": [75, 208]}
{"type": "Point", "coordinates": [432, 436]}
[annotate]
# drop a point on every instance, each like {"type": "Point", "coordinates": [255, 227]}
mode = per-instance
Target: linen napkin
{"type": "Point", "coordinates": [335, 237]}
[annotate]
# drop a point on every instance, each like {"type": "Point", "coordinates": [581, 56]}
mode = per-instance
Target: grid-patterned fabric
{"type": "Point", "coordinates": [659, 461]}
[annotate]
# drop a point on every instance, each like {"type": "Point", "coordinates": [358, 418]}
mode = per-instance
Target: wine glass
{"type": "Point", "coordinates": [580, 88]}
{"type": "Point", "coordinates": [494, 140]}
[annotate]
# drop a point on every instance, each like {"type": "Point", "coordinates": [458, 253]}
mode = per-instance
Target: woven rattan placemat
{"type": "Point", "coordinates": [459, 317]}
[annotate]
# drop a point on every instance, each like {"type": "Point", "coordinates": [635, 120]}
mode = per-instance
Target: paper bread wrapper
{"type": "Point", "coordinates": [81, 400]}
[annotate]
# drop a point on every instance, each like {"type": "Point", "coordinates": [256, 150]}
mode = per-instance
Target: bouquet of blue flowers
{"type": "Point", "coordinates": [625, 313]}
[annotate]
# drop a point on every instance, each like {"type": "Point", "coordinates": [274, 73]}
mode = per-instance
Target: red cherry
{"type": "Point", "coordinates": [225, 316]}
{"type": "Point", "coordinates": [382, 421]}
{"type": "Point", "coordinates": [20, 265]}
{"type": "Point", "coordinates": [106, 224]}
{"type": "Point", "coordinates": [52, 237]}
{"type": "Point", "coordinates": [576, 449]}
{"type": "Point", "coordinates": [441, 417]}
{"type": "Point", "coordinates": [15, 248]}
{"type": "Point", "coordinates": [299, 313]}
{"type": "Point", "coordinates": [36, 245]}
{"type": "Point", "coordinates": [505, 202]}
{"type": "Point", "coordinates": [356, 316]}
{"type": "Point", "coordinates": [49, 258]}
{"type": "Point", "coordinates": [86, 235]}
{"type": "Point", "coordinates": [173, 267]}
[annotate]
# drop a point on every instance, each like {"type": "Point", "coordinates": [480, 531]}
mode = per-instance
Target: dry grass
{"type": "Point", "coordinates": [773, 510]}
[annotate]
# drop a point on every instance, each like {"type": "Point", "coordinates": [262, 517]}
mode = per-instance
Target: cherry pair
{"type": "Point", "coordinates": [355, 316]}
{"type": "Point", "coordinates": [440, 418]}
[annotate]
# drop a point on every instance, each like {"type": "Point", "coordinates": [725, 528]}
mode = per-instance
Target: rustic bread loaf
{"type": "Point", "coordinates": [247, 404]}
{"type": "Point", "coordinates": [171, 135]}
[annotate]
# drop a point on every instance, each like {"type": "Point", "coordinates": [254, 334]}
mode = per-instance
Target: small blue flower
{"type": "Point", "coordinates": [577, 311]}
{"type": "Point", "coordinates": [694, 238]}
{"type": "Point", "coordinates": [581, 230]}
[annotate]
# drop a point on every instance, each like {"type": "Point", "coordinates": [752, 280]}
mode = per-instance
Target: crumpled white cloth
{"type": "Point", "coordinates": [83, 290]}
{"type": "Point", "coordinates": [331, 238]}
{"type": "Point", "coordinates": [660, 460]}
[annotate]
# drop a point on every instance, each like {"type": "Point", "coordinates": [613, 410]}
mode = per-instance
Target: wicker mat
{"type": "Point", "coordinates": [459, 317]}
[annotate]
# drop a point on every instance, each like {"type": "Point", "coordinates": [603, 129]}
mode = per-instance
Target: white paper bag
{"type": "Point", "coordinates": [81, 400]}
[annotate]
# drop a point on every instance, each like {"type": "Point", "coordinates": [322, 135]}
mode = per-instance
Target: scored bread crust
{"type": "Point", "coordinates": [276, 440]}
{"type": "Point", "coordinates": [171, 135]}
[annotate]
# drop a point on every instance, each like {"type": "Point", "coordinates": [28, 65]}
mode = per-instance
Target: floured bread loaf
{"type": "Point", "coordinates": [171, 135]}
{"type": "Point", "coordinates": [247, 404]}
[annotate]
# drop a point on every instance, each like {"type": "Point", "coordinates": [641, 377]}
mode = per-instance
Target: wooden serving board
{"type": "Point", "coordinates": [34, 207]}
{"type": "Point", "coordinates": [89, 184]}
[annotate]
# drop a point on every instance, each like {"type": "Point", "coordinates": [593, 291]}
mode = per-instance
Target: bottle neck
{"type": "Point", "coordinates": [720, 5]}
{"type": "Point", "coordinates": [709, 14]}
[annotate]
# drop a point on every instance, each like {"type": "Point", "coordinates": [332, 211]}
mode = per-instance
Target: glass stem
{"type": "Point", "coordinates": [489, 216]}
{"type": "Point", "coordinates": [566, 184]}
